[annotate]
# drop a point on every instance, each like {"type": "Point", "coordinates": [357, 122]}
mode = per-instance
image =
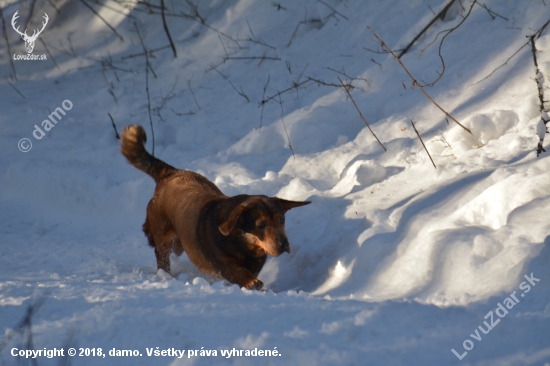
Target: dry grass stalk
{"type": "Point", "coordinates": [425, 148]}
{"type": "Point", "coordinates": [361, 114]}
{"type": "Point", "coordinates": [415, 83]}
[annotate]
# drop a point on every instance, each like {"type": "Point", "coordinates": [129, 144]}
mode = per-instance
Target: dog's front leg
{"type": "Point", "coordinates": [241, 276]}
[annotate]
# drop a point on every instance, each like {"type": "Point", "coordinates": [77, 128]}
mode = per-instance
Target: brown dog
{"type": "Point", "coordinates": [223, 236]}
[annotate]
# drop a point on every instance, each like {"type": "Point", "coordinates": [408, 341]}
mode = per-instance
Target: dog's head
{"type": "Point", "coordinates": [260, 221]}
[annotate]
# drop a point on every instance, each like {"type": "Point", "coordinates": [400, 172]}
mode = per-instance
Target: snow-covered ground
{"type": "Point", "coordinates": [393, 263]}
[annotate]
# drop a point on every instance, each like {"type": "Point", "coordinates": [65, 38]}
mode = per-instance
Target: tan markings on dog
{"type": "Point", "coordinates": [223, 236]}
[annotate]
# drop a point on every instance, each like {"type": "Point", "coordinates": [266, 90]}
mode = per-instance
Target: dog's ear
{"type": "Point", "coordinates": [287, 205]}
{"type": "Point", "coordinates": [227, 227]}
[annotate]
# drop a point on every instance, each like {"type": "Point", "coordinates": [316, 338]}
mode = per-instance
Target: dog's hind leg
{"type": "Point", "coordinates": [162, 252]}
{"type": "Point", "coordinates": [162, 243]}
{"type": "Point", "coordinates": [176, 245]}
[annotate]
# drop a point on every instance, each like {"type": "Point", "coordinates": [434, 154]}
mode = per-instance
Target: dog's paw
{"type": "Point", "coordinates": [255, 284]}
{"type": "Point", "coordinates": [162, 275]}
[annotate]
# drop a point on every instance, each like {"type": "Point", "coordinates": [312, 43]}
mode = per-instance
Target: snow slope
{"type": "Point", "coordinates": [393, 263]}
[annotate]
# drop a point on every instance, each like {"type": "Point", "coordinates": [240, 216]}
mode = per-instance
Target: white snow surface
{"type": "Point", "coordinates": [393, 263]}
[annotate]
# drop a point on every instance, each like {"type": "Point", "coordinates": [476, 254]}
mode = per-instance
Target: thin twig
{"type": "Point", "coordinates": [103, 19]}
{"type": "Point", "coordinates": [440, 15]}
{"type": "Point", "coordinates": [31, 13]}
{"type": "Point", "coordinates": [343, 72]}
{"type": "Point", "coordinates": [446, 141]}
{"type": "Point", "coordinates": [414, 82]}
{"type": "Point", "coordinates": [167, 30]}
{"type": "Point", "coordinates": [194, 16]}
{"type": "Point", "coordinates": [114, 126]}
{"type": "Point", "coordinates": [263, 101]}
{"type": "Point", "coordinates": [284, 126]}
{"type": "Point", "coordinates": [241, 93]}
{"type": "Point", "coordinates": [54, 6]}
{"type": "Point", "coordinates": [380, 52]}
{"type": "Point", "coordinates": [449, 31]}
{"type": "Point", "coordinates": [538, 33]}
{"type": "Point", "coordinates": [147, 67]}
{"type": "Point", "coordinates": [491, 12]}
{"type": "Point", "coordinates": [254, 39]}
{"type": "Point", "coordinates": [252, 58]}
{"type": "Point", "coordinates": [334, 10]}
{"type": "Point", "coordinates": [361, 114]}
{"type": "Point", "coordinates": [190, 113]}
{"type": "Point", "coordinates": [192, 92]}
{"type": "Point", "coordinates": [49, 53]}
{"type": "Point", "coordinates": [278, 6]}
{"type": "Point", "coordinates": [142, 53]}
{"type": "Point", "coordinates": [25, 325]}
{"type": "Point", "coordinates": [71, 47]}
{"type": "Point", "coordinates": [425, 148]}
{"type": "Point", "coordinates": [17, 90]}
{"type": "Point", "coordinates": [305, 21]}
{"type": "Point", "coordinates": [8, 43]}
{"type": "Point", "coordinates": [165, 99]}
{"type": "Point", "coordinates": [303, 84]}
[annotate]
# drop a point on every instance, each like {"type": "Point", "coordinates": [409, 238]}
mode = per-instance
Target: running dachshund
{"type": "Point", "coordinates": [225, 237]}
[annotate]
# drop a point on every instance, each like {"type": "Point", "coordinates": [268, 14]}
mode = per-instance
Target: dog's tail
{"type": "Point", "coordinates": [133, 140]}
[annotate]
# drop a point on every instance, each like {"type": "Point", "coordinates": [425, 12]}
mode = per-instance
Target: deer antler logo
{"type": "Point", "coordinates": [29, 41]}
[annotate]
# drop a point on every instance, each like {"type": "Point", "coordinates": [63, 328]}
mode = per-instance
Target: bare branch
{"type": "Point", "coordinates": [449, 31]}
{"type": "Point", "coordinates": [440, 15]}
{"type": "Point", "coordinates": [165, 24]}
{"type": "Point", "coordinates": [103, 19]}
{"type": "Point", "coordinates": [114, 126]}
{"type": "Point", "coordinates": [49, 53]}
{"type": "Point", "coordinates": [492, 12]}
{"type": "Point", "coordinates": [278, 6]}
{"type": "Point", "coordinates": [7, 43]}
{"type": "Point", "coordinates": [241, 93]}
{"type": "Point", "coordinates": [334, 10]}
{"type": "Point", "coordinates": [263, 101]}
{"type": "Point", "coordinates": [284, 126]}
{"type": "Point", "coordinates": [425, 148]}
{"type": "Point", "coordinates": [380, 52]}
{"type": "Point", "coordinates": [31, 13]}
{"type": "Point", "coordinates": [361, 114]}
{"type": "Point", "coordinates": [252, 58]}
{"type": "Point", "coordinates": [147, 67]}
{"type": "Point", "coordinates": [150, 52]}
{"type": "Point", "coordinates": [17, 90]}
{"type": "Point", "coordinates": [254, 39]}
{"type": "Point", "coordinates": [192, 92]}
{"type": "Point", "coordinates": [414, 82]}
{"type": "Point", "coordinates": [301, 85]}
{"type": "Point", "coordinates": [538, 33]}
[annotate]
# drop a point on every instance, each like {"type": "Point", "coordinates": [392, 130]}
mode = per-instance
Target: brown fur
{"type": "Point", "coordinates": [225, 237]}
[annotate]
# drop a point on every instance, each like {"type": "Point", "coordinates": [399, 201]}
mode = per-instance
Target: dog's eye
{"type": "Point", "coordinates": [261, 225]}
{"type": "Point", "coordinates": [282, 221]}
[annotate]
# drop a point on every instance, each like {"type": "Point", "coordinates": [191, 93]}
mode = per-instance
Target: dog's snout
{"type": "Point", "coordinates": [284, 245]}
